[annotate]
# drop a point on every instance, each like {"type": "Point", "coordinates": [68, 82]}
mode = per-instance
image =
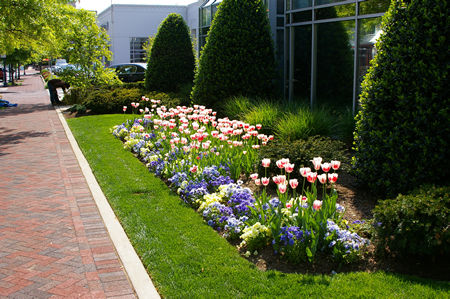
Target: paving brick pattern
{"type": "Point", "coordinates": [53, 243]}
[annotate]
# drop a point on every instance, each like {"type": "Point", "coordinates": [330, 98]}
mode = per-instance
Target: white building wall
{"type": "Point", "coordinates": [126, 21]}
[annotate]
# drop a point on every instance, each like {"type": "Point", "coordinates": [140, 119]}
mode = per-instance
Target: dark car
{"type": "Point", "coordinates": [130, 72]}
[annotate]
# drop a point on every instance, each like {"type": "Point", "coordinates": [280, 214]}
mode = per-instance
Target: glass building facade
{"type": "Point", "coordinates": [329, 44]}
{"type": "Point", "coordinates": [137, 51]}
{"type": "Point", "coordinates": [323, 48]}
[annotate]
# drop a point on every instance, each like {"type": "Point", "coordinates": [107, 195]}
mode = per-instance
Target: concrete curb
{"type": "Point", "coordinates": [133, 266]}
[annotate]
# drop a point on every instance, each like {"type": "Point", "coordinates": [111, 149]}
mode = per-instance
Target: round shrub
{"type": "Point", "coordinates": [171, 63]}
{"type": "Point", "coordinates": [403, 127]}
{"type": "Point", "coordinates": [416, 224]}
{"type": "Point", "coordinates": [101, 101]}
{"type": "Point", "coordinates": [238, 58]}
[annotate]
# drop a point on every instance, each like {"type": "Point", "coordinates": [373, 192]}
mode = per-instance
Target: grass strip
{"type": "Point", "coordinates": [186, 258]}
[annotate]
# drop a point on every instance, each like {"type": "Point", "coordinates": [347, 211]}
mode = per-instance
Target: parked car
{"type": "Point", "coordinates": [130, 72]}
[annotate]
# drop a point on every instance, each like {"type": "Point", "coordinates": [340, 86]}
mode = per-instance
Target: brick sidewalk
{"type": "Point", "coordinates": [53, 243]}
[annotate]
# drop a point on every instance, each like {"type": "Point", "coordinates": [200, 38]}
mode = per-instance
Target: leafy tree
{"type": "Point", "coordinates": [238, 57]}
{"type": "Point", "coordinates": [171, 63]}
{"type": "Point", "coordinates": [84, 44]}
{"type": "Point", "coordinates": [403, 127]}
{"type": "Point", "coordinates": [25, 23]}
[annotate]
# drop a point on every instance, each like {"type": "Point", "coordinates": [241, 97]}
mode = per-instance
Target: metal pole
{"type": "Point", "coordinates": [313, 58]}
{"type": "Point", "coordinates": [356, 63]}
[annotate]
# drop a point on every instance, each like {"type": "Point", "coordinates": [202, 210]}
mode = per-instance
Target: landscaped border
{"type": "Point", "coordinates": [185, 257]}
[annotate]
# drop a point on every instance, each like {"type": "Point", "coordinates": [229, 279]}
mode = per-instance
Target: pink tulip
{"type": "Point", "coordinates": [288, 205]}
{"type": "Point", "coordinates": [289, 167]}
{"type": "Point", "coordinates": [332, 177]}
{"type": "Point", "coordinates": [282, 188]}
{"type": "Point", "coordinates": [322, 178]}
{"type": "Point", "coordinates": [276, 179]}
{"type": "Point", "coordinates": [194, 169]}
{"type": "Point", "coordinates": [257, 182]}
{"type": "Point", "coordinates": [326, 167]}
{"type": "Point", "coordinates": [282, 179]}
{"type": "Point", "coordinates": [317, 204]}
{"type": "Point", "coordinates": [265, 163]}
{"type": "Point", "coordinates": [304, 199]}
{"type": "Point", "coordinates": [258, 127]}
{"type": "Point", "coordinates": [124, 108]}
{"type": "Point", "coordinates": [293, 183]}
{"type": "Point", "coordinates": [254, 176]}
{"type": "Point", "coordinates": [265, 181]}
{"type": "Point", "coordinates": [304, 171]}
{"type": "Point", "coordinates": [312, 176]}
{"type": "Point", "coordinates": [280, 164]}
{"type": "Point", "coordinates": [317, 161]}
{"type": "Point", "coordinates": [335, 164]}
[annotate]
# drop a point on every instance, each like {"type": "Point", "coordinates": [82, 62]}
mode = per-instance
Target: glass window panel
{"type": "Point", "coordinates": [335, 60]}
{"type": "Point", "coordinates": [288, 18]}
{"type": "Point", "coordinates": [373, 6]}
{"type": "Point", "coordinates": [302, 63]}
{"type": "Point", "coordinates": [339, 11]}
{"type": "Point", "coordinates": [288, 4]}
{"type": "Point", "coordinates": [297, 4]}
{"type": "Point", "coordinates": [303, 16]}
{"type": "Point", "coordinates": [280, 21]}
{"type": "Point", "coordinates": [214, 10]}
{"type": "Point", "coordinates": [322, 2]}
{"type": "Point", "coordinates": [368, 32]}
{"type": "Point", "coordinates": [280, 7]}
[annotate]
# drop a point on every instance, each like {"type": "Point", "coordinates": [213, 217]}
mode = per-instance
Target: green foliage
{"type": "Point", "coordinates": [86, 45]}
{"type": "Point", "coordinates": [76, 95]}
{"type": "Point", "coordinates": [300, 152]}
{"type": "Point", "coordinates": [104, 101]}
{"type": "Point", "coordinates": [171, 99]}
{"type": "Point", "coordinates": [304, 123]}
{"type": "Point", "coordinates": [345, 126]}
{"type": "Point", "coordinates": [238, 58]}
{"type": "Point", "coordinates": [265, 113]}
{"type": "Point", "coordinates": [171, 63]}
{"type": "Point", "coordinates": [415, 224]}
{"type": "Point", "coordinates": [111, 98]}
{"type": "Point", "coordinates": [403, 128]}
{"type": "Point", "coordinates": [77, 108]}
{"type": "Point", "coordinates": [236, 107]}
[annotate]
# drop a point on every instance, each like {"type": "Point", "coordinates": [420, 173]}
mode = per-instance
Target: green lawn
{"type": "Point", "coordinates": [186, 258]}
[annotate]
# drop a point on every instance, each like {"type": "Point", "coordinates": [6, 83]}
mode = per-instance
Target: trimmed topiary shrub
{"type": "Point", "coordinates": [415, 224]}
{"type": "Point", "coordinates": [403, 127]}
{"type": "Point", "coordinates": [238, 58]}
{"type": "Point", "coordinates": [171, 63]}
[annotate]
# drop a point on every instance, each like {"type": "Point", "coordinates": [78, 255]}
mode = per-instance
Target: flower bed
{"type": "Point", "coordinates": [203, 157]}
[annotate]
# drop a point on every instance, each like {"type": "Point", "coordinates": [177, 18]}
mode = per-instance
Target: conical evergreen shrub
{"type": "Point", "coordinates": [403, 127]}
{"type": "Point", "coordinates": [171, 63]}
{"type": "Point", "coordinates": [238, 57]}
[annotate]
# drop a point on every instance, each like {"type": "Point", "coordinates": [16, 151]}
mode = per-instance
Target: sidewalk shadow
{"type": "Point", "coordinates": [25, 109]}
{"type": "Point", "coordinates": [7, 138]}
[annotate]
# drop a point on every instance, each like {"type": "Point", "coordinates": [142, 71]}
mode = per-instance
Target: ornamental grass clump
{"type": "Point", "coordinates": [203, 158]}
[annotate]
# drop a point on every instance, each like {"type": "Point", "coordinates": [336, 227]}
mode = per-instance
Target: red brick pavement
{"type": "Point", "coordinates": [53, 243]}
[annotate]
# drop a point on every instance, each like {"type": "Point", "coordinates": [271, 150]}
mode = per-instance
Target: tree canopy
{"type": "Point", "coordinates": [53, 28]}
